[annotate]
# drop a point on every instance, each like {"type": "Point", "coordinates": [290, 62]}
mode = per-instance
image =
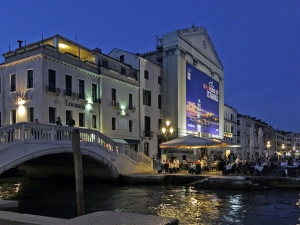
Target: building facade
{"type": "Point", "coordinates": [57, 77]}
{"type": "Point", "coordinates": [193, 82]}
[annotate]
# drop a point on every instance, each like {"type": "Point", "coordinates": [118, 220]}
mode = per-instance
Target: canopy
{"type": "Point", "coordinates": [188, 142]}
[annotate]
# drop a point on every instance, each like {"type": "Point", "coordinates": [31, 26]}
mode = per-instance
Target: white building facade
{"type": "Point", "coordinates": [57, 77]}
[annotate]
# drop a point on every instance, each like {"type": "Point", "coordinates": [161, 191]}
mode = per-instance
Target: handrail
{"type": "Point", "coordinates": [36, 131]}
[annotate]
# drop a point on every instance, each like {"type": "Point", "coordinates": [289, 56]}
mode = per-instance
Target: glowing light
{"type": "Point", "coordinates": [21, 110]}
{"type": "Point", "coordinates": [62, 45]}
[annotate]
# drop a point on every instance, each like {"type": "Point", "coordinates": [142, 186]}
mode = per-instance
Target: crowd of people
{"type": "Point", "coordinates": [284, 165]}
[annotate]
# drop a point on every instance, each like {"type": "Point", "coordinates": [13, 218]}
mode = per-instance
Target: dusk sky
{"type": "Point", "coordinates": [257, 41]}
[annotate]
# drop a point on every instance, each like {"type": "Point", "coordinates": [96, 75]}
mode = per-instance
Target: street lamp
{"type": "Point", "coordinates": [268, 145]}
{"type": "Point", "coordinates": [282, 146]}
{"type": "Point", "coordinates": [168, 130]}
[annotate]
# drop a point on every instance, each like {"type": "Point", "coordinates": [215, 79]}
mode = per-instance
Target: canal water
{"type": "Point", "coordinates": [188, 204]}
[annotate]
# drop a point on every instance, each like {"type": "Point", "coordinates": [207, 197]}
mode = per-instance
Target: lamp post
{"type": "Point", "coordinates": [168, 130]}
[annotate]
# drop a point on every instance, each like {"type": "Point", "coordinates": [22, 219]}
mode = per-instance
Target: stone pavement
{"type": "Point", "coordinates": [97, 218]}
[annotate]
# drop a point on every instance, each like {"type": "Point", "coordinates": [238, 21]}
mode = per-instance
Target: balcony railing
{"type": "Point", "coordinates": [148, 134]}
{"type": "Point", "coordinates": [81, 96]}
{"type": "Point", "coordinates": [53, 89]}
{"type": "Point", "coordinates": [113, 103]}
{"type": "Point", "coordinates": [96, 100]}
{"type": "Point", "coordinates": [70, 94]}
{"type": "Point", "coordinates": [131, 108]}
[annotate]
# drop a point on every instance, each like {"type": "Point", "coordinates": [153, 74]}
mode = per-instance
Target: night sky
{"type": "Point", "coordinates": [257, 41]}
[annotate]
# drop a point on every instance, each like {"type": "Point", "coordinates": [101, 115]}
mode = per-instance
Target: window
{"type": "Point", "coordinates": [147, 126]}
{"type": "Point", "coordinates": [68, 85]}
{"type": "Point", "coordinates": [113, 123]}
{"type": "Point", "coordinates": [130, 128]}
{"type": "Point", "coordinates": [94, 121]}
{"type": "Point", "coordinates": [147, 97]}
{"type": "Point", "coordinates": [159, 101]}
{"type": "Point", "coordinates": [105, 64]}
{"type": "Point", "coordinates": [52, 113]}
{"type": "Point", "coordinates": [68, 113]}
{"type": "Point", "coordinates": [123, 71]}
{"type": "Point", "coordinates": [13, 116]}
{"type": "Point", "coordinates": [130, 105]}
{"type": "Point", "coordinates": [81, 120]}
{"type": "Point", "coordinates": [146, 74]}
{"type": "Point", "coordinates": [113, 97]}
{"type": "Point", "coordinates": [30, 114]}
{"type": "Point", "coordinates": [52, 80]}
{"type": "Point", "coordinates": [13, 82]}
{"type": "Point", "coordinates": [0, 85]}
{"type": "Point", "coordinates": [159, 124]}
{"type": "Point", "coordinates": [159, 80]}
{"type": "Point", "coordinates": [94, 92]}
{"type": "Point", "coordinates": [29, 78]}
{"type": "Point", "coordinates": [121, 58]}
{"type": "Point", "coordinates": [81, 94]}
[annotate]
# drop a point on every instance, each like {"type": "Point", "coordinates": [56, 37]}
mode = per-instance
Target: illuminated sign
{"type": "Point", "coordinates": [202, 102]}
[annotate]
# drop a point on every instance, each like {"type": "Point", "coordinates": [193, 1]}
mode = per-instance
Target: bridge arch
{"type": "Point", "coordinates": [17, 145]}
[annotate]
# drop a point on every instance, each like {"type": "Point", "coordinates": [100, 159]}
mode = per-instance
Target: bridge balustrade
{"type": "Point", "coordinates": [39, 132]}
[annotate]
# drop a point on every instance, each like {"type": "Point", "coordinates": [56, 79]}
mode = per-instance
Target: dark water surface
{"type": "Point", "coordinates": [189, 205]}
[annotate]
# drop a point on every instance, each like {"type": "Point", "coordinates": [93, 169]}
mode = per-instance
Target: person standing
{"type": "Point", "coordinates": [71, 122]}
{"type": "Point", "coordinates": [58, 132]}
{"type": "Point", "coordinates": [37, 131]}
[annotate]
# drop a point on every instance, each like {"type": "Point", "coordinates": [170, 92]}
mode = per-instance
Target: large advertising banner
{"type": "Point", "coordinates": [202, 102]}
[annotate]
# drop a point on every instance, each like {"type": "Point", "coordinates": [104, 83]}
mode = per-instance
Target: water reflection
{"type": "Point", "coordinates": [9, 190]}
{"type": "Point", "coordinates": [188, 204]}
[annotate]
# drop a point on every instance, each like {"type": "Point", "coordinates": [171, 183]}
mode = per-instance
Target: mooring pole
{"type": "Point", "coordinates": [78, 171]}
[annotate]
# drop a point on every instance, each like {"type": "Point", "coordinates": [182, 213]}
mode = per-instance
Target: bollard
{"type": "Point", "coordinates": [78, 171]}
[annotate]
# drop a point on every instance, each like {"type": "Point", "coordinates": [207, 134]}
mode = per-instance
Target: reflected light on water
{"type": "Point", "coordinates": [9, 190]}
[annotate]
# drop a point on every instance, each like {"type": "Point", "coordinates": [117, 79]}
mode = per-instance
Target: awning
{"type": "Point", "coordinates": [132, 141]}
{"type": "Point", "coordinates": [119, 140]}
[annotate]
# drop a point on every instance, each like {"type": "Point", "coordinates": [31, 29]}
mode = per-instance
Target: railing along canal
{"type": "Point", "coordinates": [36, 131]}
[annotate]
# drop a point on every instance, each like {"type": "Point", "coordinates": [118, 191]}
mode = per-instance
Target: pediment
{"type": "Point", "coordinates": [199, 39]}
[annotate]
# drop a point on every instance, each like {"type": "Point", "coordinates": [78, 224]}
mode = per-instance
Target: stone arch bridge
{"type": "Point", "coordinates": [24, 141]}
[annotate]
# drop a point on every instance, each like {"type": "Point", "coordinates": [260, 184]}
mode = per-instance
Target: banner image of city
{"type": "Point", "coordinates": [202, 102]}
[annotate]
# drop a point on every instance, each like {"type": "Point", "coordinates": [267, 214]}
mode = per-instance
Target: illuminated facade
{"type": "Point", "coordinates": [57, 77]}
{"type": "Point", "coordinates": [192, 77]}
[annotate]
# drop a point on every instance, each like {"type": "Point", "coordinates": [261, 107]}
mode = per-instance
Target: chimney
{"type": "Point", "coordinates": [20, 43]}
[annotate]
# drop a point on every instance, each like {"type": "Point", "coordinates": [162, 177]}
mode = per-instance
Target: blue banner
{"type": "Point", "coordinates": [202, 102]}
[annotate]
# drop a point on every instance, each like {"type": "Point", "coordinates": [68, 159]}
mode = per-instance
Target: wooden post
{"type": "Point", "coordinates": [78, 171]}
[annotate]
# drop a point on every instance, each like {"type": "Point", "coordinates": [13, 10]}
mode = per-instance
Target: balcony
{"type": "Point", "coordinates": [53, 90]}
{"type": "Point", "coordinates": [96, 101]}
{"type": "Point", "coordinates": [131, 108]}
{"type": "Point", "coordinates": [70, 94]}
{"type": "Point", "coordinates": [113, 103]}
{"type": "Point", "coordinates": [81, 97]}
{"type": "Point", "coordinates": [148, 134]}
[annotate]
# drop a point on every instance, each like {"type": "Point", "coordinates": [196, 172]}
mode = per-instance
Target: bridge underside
{"type": "Point", "coordinates": [61, 165]}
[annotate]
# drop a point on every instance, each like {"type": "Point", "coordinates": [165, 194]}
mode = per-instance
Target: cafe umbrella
{"type": "Point", "coordinates": [189, 142]}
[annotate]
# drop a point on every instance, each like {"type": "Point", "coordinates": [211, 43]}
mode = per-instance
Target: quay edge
{"type": "Point", "coordinates": [207, 181]}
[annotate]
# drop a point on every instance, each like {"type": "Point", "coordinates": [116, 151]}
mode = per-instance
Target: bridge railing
{"type": "Point", "coordinates": [37, 131]}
